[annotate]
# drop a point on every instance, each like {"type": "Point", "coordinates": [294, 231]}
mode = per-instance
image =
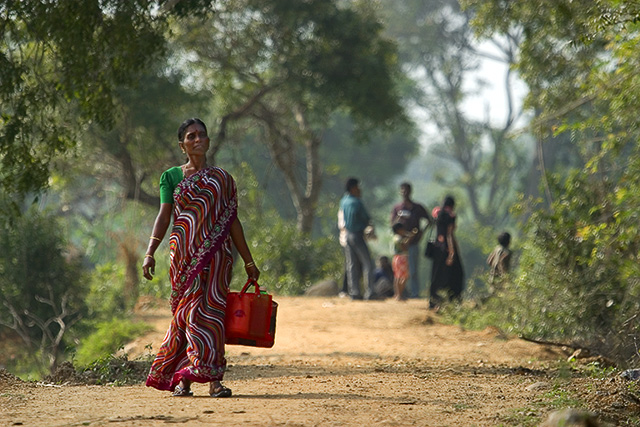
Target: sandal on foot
{"type": "Point", "coordinates": [182, 392]}
{"type": "Point", "coordinates": [221, 391]}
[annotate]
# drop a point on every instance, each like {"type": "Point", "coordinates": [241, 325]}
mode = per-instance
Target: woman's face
{"type": "Point", "coordinates": [196, 140]}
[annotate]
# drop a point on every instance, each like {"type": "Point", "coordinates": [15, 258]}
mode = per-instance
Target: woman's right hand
{"type": "Point", "coordinates": [148, 267]}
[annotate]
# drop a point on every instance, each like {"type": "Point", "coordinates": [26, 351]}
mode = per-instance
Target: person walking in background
{"type": "Point", "coordinates": [499, 261]}
{"type": "Point", "coordinates": [202, 200]}
{"type": "Point", "coordinates": [357, 255]}
{"type": "Point", "coordinates": [447, 273]}
{"type": "Point", "coordinates": [410, 214]}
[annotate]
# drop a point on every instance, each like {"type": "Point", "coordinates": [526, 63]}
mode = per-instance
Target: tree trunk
{"type": "Point", "coordinates": [284, 150]}
{"type": "Point", "coordinates": [308, 204]}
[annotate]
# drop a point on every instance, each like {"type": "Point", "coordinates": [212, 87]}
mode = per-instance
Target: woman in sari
{"type": "Point", "coordinates": [446, 273]}
{"type": "Point", "coordinates": [203, 202]}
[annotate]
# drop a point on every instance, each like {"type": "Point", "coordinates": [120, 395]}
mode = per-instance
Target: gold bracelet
{"type": "Point", "coordinates": [156, 238]}
{"type": "Point", "coordinates": [149, 256]}
{"type": "Point", "coordinates": [250, 264]}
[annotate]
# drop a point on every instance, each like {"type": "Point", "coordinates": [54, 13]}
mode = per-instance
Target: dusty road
{"type": "Point", "coordinates": [336, 363]}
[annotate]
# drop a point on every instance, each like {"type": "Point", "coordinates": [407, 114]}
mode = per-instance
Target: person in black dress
{"type": "Point", "coordinates": [447, 274]}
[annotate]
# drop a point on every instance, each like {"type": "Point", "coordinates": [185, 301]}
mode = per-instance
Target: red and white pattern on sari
{"type": "Point", "coordinates": [200, 271]}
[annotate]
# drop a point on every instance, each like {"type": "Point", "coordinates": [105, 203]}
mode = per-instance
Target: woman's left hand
{"type": "Point", "coordinates": [449, 261]}
{"type": "Point", "coordinates": [252, 272]}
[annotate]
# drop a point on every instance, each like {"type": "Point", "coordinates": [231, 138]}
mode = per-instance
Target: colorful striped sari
{"type": "Point", "coordinates": [205, 206]}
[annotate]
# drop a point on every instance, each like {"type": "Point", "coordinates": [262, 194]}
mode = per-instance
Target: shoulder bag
{"type": "Point", "coordinates": [430, 250]}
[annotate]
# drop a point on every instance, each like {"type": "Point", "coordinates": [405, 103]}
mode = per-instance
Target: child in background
{"type": "Point", "coordinates": [400, 264]}
{"type": "Point", "coordinates": [500, 259]}
{"type": "Point", "coordinates": [383, 278]}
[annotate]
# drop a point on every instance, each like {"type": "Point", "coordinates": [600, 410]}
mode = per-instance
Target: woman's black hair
{"type": "Point", "coordinates": [504, 239]}
{"type": "Point", "coordinates": [183, 127]}
{"type": "Point", "coordinates": [448, 201]}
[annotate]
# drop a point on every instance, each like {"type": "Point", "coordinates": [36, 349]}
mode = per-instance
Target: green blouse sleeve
{"type": "Point", "coordinates": [168, 182]}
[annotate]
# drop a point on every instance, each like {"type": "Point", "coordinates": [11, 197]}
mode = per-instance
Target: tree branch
{"type": "Point", "coordinates": [237, 114]}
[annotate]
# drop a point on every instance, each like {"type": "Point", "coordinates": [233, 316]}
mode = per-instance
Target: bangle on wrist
{"type": "Point", "coordinates": [250, 264]}
{"type": "Point", "coordinates": [155, 238]}
{"type": "Point", "coordinates": [149, 256]}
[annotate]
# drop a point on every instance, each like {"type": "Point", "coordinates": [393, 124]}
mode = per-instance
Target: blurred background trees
{"type": "Point", "coordinates": [298, 96]}
{"type": "Point", "coordinates": [578, 280]}
{"type": "Point", "coordinates": [42, 288]}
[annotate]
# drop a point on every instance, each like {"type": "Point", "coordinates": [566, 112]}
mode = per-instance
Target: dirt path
{"type": "Point", "coordinates": [335, 363]}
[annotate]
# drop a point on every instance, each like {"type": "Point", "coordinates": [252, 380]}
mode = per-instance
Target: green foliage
{"type": "Point", "coordinates": [557, 398]}
{"type": "Point", "coordinates": [106, 292]}
{"type": "Point", "coordinates": [343, 155]}
{"type": "Point", "coordinates": [160, 286]}
{"type": "Point", "coordinates": [578, 277]}
{"type": "Point", "coordinates": [337, 51]}
{"type": "Point", "coordinates": [322, 54]}
{"type": "Point", "coordinates": [108, 337]}
{"type": "Point", "coordinates": [116, 371]}
{"type": "Point", "coordinates": [560, 398]}
{"type": "Point", "coordinates": [386, 153]}
{"type": "Point", "coordinates": [143, 137]}
{"type": "Point", "coordinates": [481, 156]}
{"type": "Point", "coordinates": [289, 261]}
{"type": "Point", "coordinates": [41, 284]}
{"type": "Point", "coordinates": [26, 365]}
{"type": "Point", "coordinates": [583, 270]}
{"type": "Point", "coordinates": [60, 63]}
{"type": "Point", "coordinates": [50, 61]}
{"type": "Point", "coordinates": [284, 68]}
{"type": "Point", "coordinates": [596, 370]}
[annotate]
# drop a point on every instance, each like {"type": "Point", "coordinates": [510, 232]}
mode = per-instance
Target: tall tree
{"type": "Point", "coordinates": [553, 72]}
{"type": "Point", "coordinates": [439, 51]}
{"type": "Point", "coordinates": [286, 66]}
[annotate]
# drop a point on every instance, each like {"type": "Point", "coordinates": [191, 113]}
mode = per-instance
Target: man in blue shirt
{"type": "Point", "coordinates": [358, 258]}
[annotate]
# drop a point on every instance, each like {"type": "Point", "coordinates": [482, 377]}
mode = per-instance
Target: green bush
{"type": "Point", "coordinates": [105, 298]}
{"type": "Point", "coordinates": [289, 261]}
{"type": "Point", "coordinates": [107, 339]}
{"type": "Point", "coordinates": [577, 281]}
{"type": "Point", "coordinates": [42, 291]}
